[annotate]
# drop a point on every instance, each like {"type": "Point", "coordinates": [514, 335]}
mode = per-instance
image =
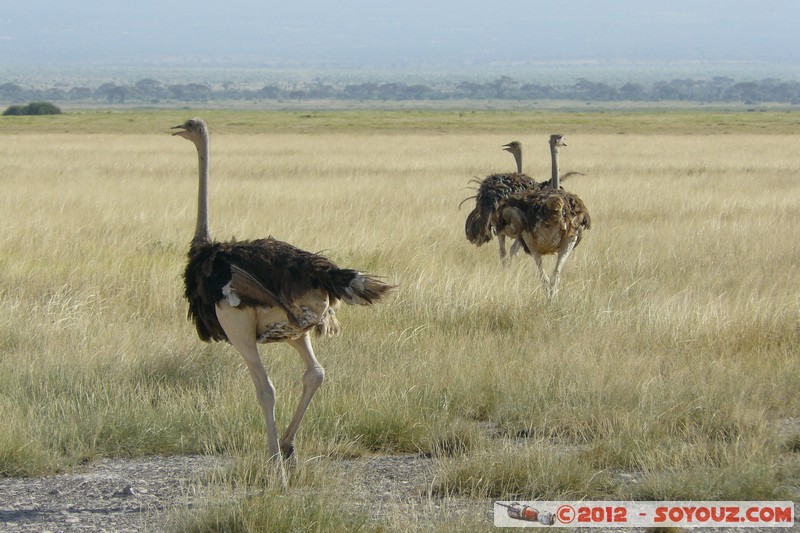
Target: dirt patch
{"type": "Point", "coordinates": [131, 495]}
{"type": "Point", "coordinates": [111, 495]}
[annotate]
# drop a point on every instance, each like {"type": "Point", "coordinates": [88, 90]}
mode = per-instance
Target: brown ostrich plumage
{"type": "Point", "coordinates": [492, 190]}
{"type": "Point", "coordinates": [548, 220]}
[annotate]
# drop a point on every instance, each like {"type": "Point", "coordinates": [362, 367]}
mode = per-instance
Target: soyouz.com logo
{"type": "Point", "coordinates": [643, 514]}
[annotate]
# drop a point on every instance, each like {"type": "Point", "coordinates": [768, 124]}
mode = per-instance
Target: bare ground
{"type": "Point", "coordinates": [140, 495]}
{"type": "Point", "coordinates": [110, 495]}
{"type": "Point", "coordinates": [133, 495]}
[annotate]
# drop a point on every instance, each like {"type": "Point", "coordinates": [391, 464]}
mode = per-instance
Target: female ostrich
{"type": "Point", "coordinates": [265, 290]}
{"type": "Point", "coordinates": [491, 190]}
{"type": "Point", "coordinates": [549, 220]}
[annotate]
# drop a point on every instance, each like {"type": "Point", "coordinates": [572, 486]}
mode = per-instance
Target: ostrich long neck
{"type": "Point", "coordinates": [554, 178]}
{"type": "Point", "coordinates": [201, 229]}
{"type": "Point", "coordinates": [518, 158]}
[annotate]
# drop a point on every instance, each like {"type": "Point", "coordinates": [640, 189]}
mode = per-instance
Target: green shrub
{"type": "Point", "coordinates": [34, 108]}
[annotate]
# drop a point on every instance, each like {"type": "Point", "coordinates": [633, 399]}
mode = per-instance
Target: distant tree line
{"type": "Point", "coordinates": [715, 89]}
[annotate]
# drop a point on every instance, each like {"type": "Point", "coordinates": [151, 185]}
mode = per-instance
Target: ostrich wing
{"type": "Point", "coordinates": [250, 291]}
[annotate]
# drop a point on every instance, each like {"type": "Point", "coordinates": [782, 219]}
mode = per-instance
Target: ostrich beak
{"type": "Point", "coordinates": [182, 131]}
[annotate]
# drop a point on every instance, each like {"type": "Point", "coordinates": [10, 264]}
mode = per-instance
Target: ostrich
{"type": "Point", "coordinates": [262, 291]}
{"type": "Point", "coordinates": [491, 190]}
{"type": "Point", "coordinates": [548, 219]}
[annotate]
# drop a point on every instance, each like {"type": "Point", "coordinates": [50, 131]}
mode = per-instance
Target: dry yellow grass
{"type": "Point", "coordinates": [670, 354]}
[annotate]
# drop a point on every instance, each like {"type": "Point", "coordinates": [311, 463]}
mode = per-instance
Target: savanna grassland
{"type": "Point", "coordinates": [666, 369]}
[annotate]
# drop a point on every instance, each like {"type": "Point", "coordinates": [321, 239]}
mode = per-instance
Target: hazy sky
{"type": "Point", "coordinates": [394, 34]}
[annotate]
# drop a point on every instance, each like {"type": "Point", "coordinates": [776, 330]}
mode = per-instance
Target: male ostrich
{"type": "Point", "coordinates": [549, 220]}
{"type": "Point", "coordinates": [491, 190]}
{"type": "Point", "coordinates": [262, 291]}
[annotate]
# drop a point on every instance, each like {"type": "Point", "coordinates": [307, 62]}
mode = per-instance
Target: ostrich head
{"type": "Point", "coordinates": [194, 129]}
{"type": "Point", "coordinates": [557, 141]}
{"type": "Point", "coordinates": [513, 147]}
